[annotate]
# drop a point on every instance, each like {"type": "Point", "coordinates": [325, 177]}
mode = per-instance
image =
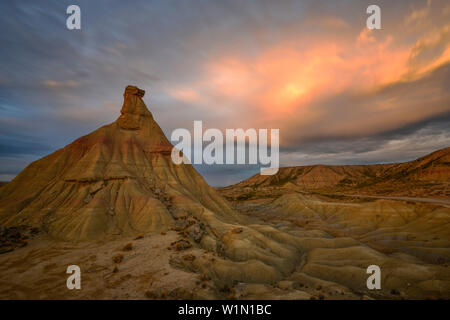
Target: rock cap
{"type": "Point", "coordinates": [134, 91]}
{"type": "Point", "coordinates": [134, 111]}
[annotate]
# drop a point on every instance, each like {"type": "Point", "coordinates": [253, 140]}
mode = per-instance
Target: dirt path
{"type": "Point", "coordinates": [442, 202]}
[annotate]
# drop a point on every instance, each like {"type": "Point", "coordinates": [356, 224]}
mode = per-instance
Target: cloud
{"type": "Point", "coordinates": [307, 67]}
{"type": "Point", "coordinates": [61, 84]}
{"type": "Point", "coordinates": [326, 89]}
{"type": "Point", "coordinates": [430, 51]}
{"type": "Point", "coordinates": [418, 17]}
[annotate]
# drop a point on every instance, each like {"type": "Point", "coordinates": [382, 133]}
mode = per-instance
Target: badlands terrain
{"type": "Point", "coordinates": [140, 227]}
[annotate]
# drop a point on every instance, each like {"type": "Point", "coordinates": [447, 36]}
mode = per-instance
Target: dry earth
{"type": "Point", "coordinates": [140, 227]}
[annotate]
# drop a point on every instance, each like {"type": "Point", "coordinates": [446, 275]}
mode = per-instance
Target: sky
{"type": "Point", "coordinates": [338, 92]}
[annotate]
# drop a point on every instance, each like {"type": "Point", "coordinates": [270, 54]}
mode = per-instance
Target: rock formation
{"type": "Point", "coordinates": [118, 179]}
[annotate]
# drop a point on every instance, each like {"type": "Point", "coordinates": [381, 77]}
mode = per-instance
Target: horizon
{"type": "Point", "coordinates": [321, 164]}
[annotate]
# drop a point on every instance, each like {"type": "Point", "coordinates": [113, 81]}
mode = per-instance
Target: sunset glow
{"type": "Point", "coordinates": [311, 69]}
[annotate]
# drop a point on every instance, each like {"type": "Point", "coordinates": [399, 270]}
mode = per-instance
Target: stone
{"type": "Point", "coordinates": [181, 245]}
{"type": "Point", "coordinates": [196, 232]}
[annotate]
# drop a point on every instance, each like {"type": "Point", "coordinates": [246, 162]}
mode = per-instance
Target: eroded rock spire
{"type": "Point", "coordinates": [134, 109]}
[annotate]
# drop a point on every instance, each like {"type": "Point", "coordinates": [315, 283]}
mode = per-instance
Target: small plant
{"type": "Point", "coordinates": [150, 294]}
{"type": "Point", "coordinates": [118, 258]}
{"type": "Point", "coordinates": [395, 292]}
{"type": "Point", "coordinates": [128, 247]}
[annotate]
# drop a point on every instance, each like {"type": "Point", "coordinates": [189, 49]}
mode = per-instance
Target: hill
{"type": "Point", "coordinates": [428, 176]}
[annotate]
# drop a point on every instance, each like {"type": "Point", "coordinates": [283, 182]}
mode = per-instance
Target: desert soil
{"type": "Point", "coordinates": [336, 241]}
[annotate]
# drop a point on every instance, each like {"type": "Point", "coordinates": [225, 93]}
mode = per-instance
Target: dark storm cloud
{"type": "Point", "coordinates": [387, 111]}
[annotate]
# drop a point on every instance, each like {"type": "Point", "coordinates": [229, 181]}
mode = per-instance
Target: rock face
{"type": "Point", "coordinates": [118, 179]}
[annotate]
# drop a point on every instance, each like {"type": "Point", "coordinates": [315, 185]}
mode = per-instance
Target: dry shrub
{"type": "Point", "coordinates": [118, 258]}
{"type": "Point", "coordinates": [128, 247]}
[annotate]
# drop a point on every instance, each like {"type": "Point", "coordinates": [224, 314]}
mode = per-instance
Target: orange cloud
{"type": "Point", "coordinates": [423, 57]}
{"type": "Point", "coordinates": [186, 95]}
{"type": "Point", "coordinates": [287, 82]}
{"type": "Point", "coordinates": [287, 77]}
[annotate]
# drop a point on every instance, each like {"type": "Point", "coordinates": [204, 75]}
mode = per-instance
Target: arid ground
{"type": "Point", "coordinates": [140, 227]}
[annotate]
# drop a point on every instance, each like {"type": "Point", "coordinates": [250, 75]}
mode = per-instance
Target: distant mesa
{"type": "Point", "coordinates": [427, 176]}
